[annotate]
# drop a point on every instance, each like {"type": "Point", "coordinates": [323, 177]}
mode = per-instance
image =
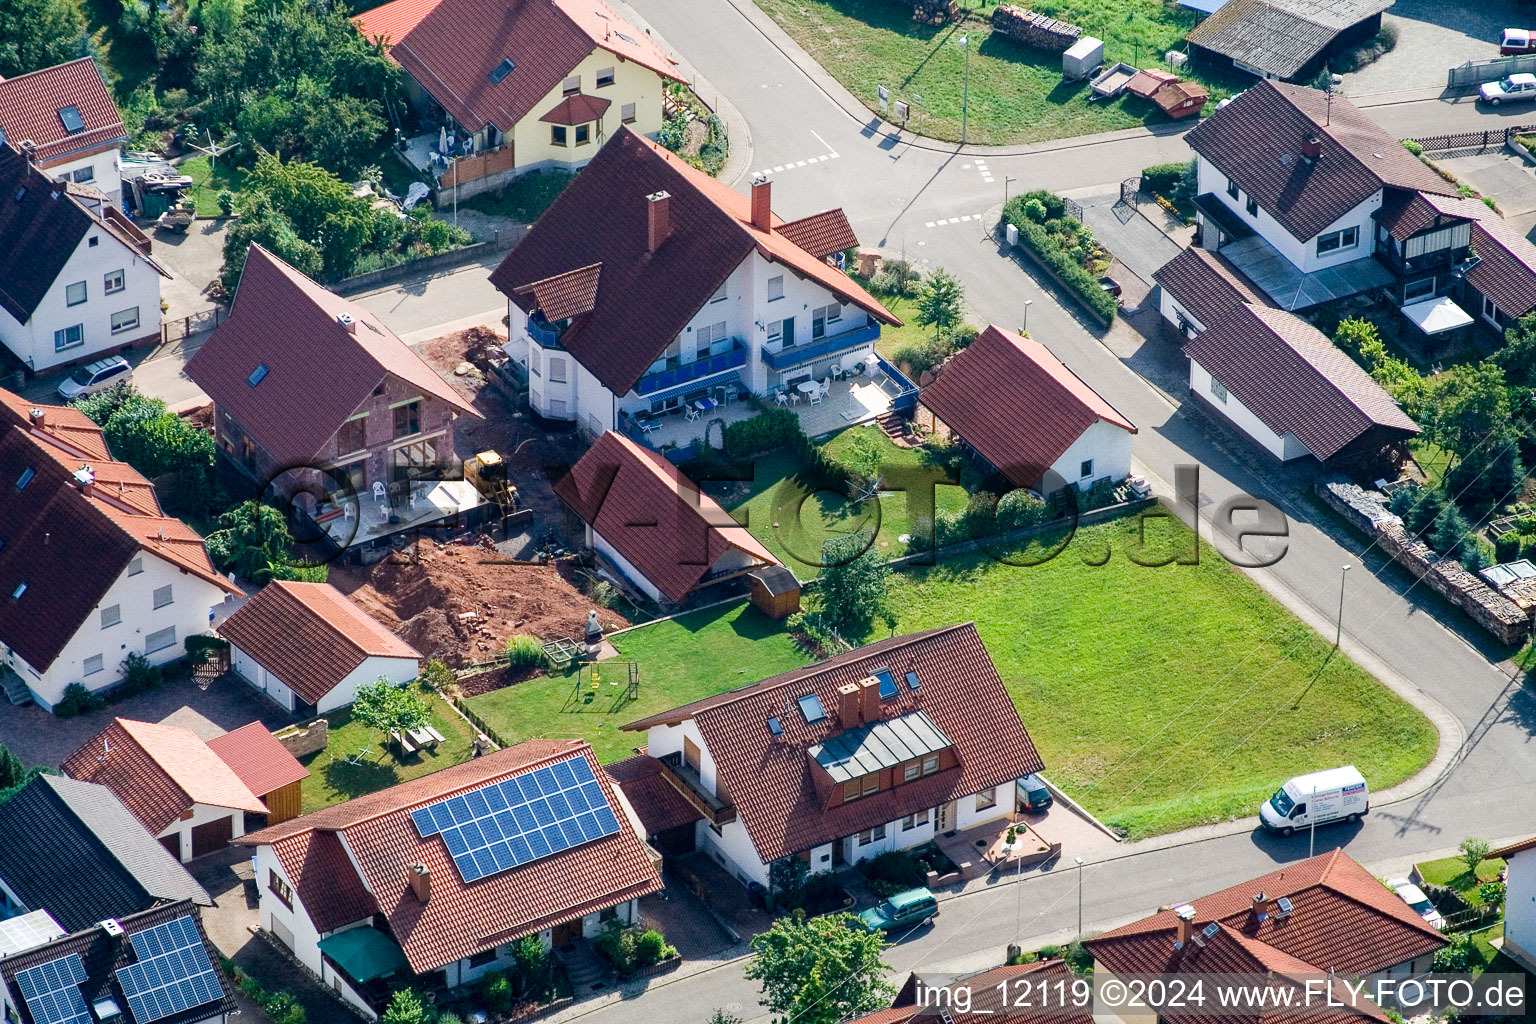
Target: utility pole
{"type": "Point", "coordinates": [965, 96]}
{"type": "Point", "coordinates": [1312, 812]}
{"type": "Point", "coordinates": [1007, 180]}
{"type": "Point", "coordinates": [1338, 634]}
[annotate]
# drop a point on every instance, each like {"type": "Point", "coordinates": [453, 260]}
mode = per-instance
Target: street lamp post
{"type": "Point", "coordinates": [1007, 180]}
{"type": "Point", "coordinates": [965, 96]}
{"type": "Point", "coordinates": [1338, 634]}
{"type": "Point", "coordinates": [1079, 898]}
{"type": "Point", "coordinates": [1312, 811]}
{"type": "Point", "coordinates": [1027, 304]}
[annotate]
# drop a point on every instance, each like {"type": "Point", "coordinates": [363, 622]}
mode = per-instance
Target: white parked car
{"type": "Point", "coordinates": [1514, 89]}
{"type": "Point", "coordinates": [1417, 901]}
{"type": "Point", "coordinates": [94, 377]}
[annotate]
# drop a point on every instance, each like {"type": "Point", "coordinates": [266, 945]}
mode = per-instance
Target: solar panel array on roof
{"type": "Point", "coordinates": [502, 825]}
{"type": "Point", "coordinates": [172, 973]}
{"type": "Point", "coordinates": [52, 991]}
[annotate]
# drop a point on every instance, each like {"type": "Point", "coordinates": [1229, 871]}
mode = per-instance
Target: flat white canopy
{"type": "Point", "coordinates": [1436, 316]}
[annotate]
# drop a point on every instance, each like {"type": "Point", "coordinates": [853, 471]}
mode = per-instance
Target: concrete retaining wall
{"type": "Point", "coordinates": [1367, 512]}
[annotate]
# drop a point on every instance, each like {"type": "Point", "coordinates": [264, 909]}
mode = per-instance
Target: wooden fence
{"type": "Point", "coordinates": [481, 165]}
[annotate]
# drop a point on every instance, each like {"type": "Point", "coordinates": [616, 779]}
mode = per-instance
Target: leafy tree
{"type": "Point", "coordinates": [1518, 356]}
{"type": "Point", "coordinates": [821, 970]}
{"type": "Point", "coordinates": [1450, 532]}
{"type": "Point", "coordinates": [722, 1016]}
{"type": "Point", "coordinates": [146, 434]}
{"type": "Point", "coordinates": [39, 34]}
{"type": "Point", "coordinates": [264, 224]}
{"type": "Point", "coordinates": [854, 587]}
{"type": "Point", "coordinates": [1469, 413]}
{"type": "Point", "coordinates": [1457, 958]}
{"type": "Point", "coordinates": [1474, 850]}
{"type": "Point", "coordinates": [14, 774]}
{"type": "Point", "coordinates": [384, 706]}
{"type": "Point", "coordinates": [407, 1006]}
{"type": "Point", "coordinates": [940, 302]}
{"type": "Point", "coordinates": [254, 536]}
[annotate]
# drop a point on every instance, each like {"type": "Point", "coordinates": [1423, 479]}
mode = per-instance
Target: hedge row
{"type": "Point", "coordinates": [1044, 248]}
{"type": "Point", "coordinates": [779, 428]}
{"type": "Point", "coordinates": [1163, 179]}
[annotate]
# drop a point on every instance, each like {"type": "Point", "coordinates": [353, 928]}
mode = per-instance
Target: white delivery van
{"type": "Point", "coordinates": [1338, 794]}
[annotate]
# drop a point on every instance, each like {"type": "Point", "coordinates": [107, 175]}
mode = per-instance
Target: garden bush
{"type": "Point", "coordinates": [77, 700]}
{"type": "Point", "coordinates": [139, 675]}
{"type": "Point", "coordinates": [1034, 209]}
{"type": "Point", "coordinates": [1491, 892]}
{"type": "Point", "coordinates": [1164, 179]}
{"type": "Point", "coordinates": [651, 948]}
{"type": "Point", "coordinates": [524, 652]}
{"type": "Point", "coordinates": [617, 942]}
{"type": "Point", "coordinates": [496, 990]}
{"type": "Point", "coordinates": [1456, 958]}
{"type": "Point", "coordinates": [200, 647]}
{"type": "Point", "coordinates": [895, 867]}
{"type": "Point", "coordinates": [1018, 509]}
{"type": "Point", "coordinates": [772, 428]}
{"type": "Point", "coordinates": [1065, 263]}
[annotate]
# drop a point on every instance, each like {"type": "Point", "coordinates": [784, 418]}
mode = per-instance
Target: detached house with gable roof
{"type": "Point", "coordinates": [649, 285]}
{"type": "Point", "coordinates": [438, 876]}
{"type": "Point", "coordinates": [1310, 200]}
{"type": "Point", "coordinates": [79, 279]}
{"type": "Point", "coordinates": [1325, 915]}
{"type": "Point", "coordinates": [91, 569]}
{"type": "Point", "coordinates": [180, 787]}
{"type": "Point", "coordinates": [521, 85]}
{"type": "Point", "coordinates": [64, 119]}
{"type": "Point", "coordinates": [382, 417]}
{"type": "Point", "coordinates": [877, 749]}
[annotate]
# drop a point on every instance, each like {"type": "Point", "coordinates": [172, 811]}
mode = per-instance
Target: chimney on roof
{"type": "Point", "coordinates": [762, 201]}
{"type": "Point", "coordinates": [85, 480]}
{"type": "Point", "coordinates": [348, 321]}
{"type": "Point", "coordinates": [1260, 908]}
{"type": "Point", "coordinates": [38, 417]}
{"type": "Point", "coordinates": [420, 880]}
{"type": "Point", "coordinates": [1312, 148]}
{"type": "Point", "coordinates": [1186, 915]}
{"type": "Point", "coordinates": [29, 150]}
{"type": "Point", "coordinates": [848, 705]}
{"type": "Point", "coordinates": [658, 220]}
{"type": "Point", "coordinates": [869, 699]}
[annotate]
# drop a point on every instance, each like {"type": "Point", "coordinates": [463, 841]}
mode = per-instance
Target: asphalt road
{"type": "Point", "coordinates": [892, 192]}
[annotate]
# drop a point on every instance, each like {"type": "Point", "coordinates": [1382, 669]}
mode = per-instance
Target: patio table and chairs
{"type": "Point", "coordinates": [706, 405]}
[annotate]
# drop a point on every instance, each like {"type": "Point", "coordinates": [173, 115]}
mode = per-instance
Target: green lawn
{"type": "Point", "coordinates": [333, 779]}
{"type": "Point", "coordinates": [797, 543]}
{"type": "Point", "coordinates": [1452, 871]}
{"type": "Point", "coordinates": [681, 660]}
{"type": "Point", "coordinates": [209, 181]}
{"type": "Point", "coordinates": [1159, 697]}
{"type": "Point", "coordinates": [1016, 92]}
{"type": "Point", "coordinates": [526, 198]}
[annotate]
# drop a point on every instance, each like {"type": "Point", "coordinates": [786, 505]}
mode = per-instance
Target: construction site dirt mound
{"type": "Point", "coordinates": [460, 602]}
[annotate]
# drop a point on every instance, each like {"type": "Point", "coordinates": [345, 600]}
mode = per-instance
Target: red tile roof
{"type": "Point", "coordinates": [288, 323]}
{"type": "Point", "coordinates": [1018, 405]}
{"type": "Point", "coordinates": [68, 548]}
{"type": "Point", "coordinates": [1296, 381]}
{"type": "Point", "coordinates": [159, 771]}
{"type": "Point", "coordinates": [258, 759]}
{"type": "Point", "coordinates": [1405, 214]}
{"type": "Point", "coordinates": [644, 298]}
{"type": "Point", "coordinates": [657, 802]}
{"type": "Point", "coordinates": [390, 22]}
{"type": "Point", "coordinates": [821, 234]}
{"type": "Point", "coordinates": [1506, 272]}
{"type": "Point", "coordinates": [567, 295]}
{"type": "Point", "coordinates": [769, 778]}
{"type": "Point", "coordinates": [577, 109]}
{"type": "Point", "coordinates": [1509, 851]}
{"type": "Point", "coordinates": [1343, 920]}
{"type": "Point", "coordinates": [1207, 284]}
{"type": "Point", "coordinates": [30, 104]}
{"type": "Point", "coordinates": [1256, 141]}
{"type": "Point", "coordinates": [62, 426]}
{"type": "Point", "coordinates": [463, 919]}
{"type": "Point", "coordinates": [310, 635]}
{"type": "Point", "coordinates": [451, 47]}
{"type": "Point", "coordinates": [322, 875]}
{"type": "Point", "coordinates": [654, 516]}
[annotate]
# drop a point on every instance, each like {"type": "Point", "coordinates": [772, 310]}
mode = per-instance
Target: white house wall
{"type": "Point", "coordinates": [192, 601]}
{"type": "Point", "coordinates": [1301, 252]}
{"type": "Point", "coordinates": [202, 814]}
{"type": "Point", "coordinates": [1520, 905]}
{"type": "Point", "coordinates": [1242, 417]}
{"type": "Point", "coordinates": [1107, 445]}
{"type": "Point", "coordinates": [397, 670]}
{"type": "Point", "coordinates": [32, 342]}
{"type": "Point", "coordinates": [633, 575]}
{"type": "Point", "coordinates": [253, 672]}
{"type": "Point", "coordinates": [1172, 309]}
{"type": "Point", "coordinates": [295, 922]}
{"type": "Point", "coordinates": [106, 171]}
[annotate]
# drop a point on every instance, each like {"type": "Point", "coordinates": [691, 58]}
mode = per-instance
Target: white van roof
{"type": "Point", "coordinates": [1333, 778]}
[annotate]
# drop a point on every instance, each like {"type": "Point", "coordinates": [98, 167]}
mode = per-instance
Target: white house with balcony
{"type": "Point", "coordinates": [92, 289]}
{"type": "Point", "coordinates": [649, 287]}
{"type": "Point", "coordinates": [881, 748]}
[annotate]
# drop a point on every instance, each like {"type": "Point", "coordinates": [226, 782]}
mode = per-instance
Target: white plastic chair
{"type": "Point", "coordinates": [780, 398]}
{"type": "Point", "coordinates": [816, 395]}
{"type": "Point", "coordinates": [693, 413]}
{"type": "Point", "coordinates": [380, 494]}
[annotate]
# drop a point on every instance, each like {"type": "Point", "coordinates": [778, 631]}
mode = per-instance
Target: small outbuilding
{"type": "Point", "coordinates": [775, 591]}
{"type": "Point", "coordinates": [1287, 39]}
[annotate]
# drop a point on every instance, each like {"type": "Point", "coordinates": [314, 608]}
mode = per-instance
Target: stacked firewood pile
{"type": "Point", "coordinates": [934, 12]}
{"type": "Point", "coordinates": [1033, 29]}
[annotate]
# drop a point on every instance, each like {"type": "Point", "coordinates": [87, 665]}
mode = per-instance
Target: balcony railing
{"type": "Point", "coordinates": [795, 355]}
{"type": "Point", "coordinates": [684, 373]}
{"type": "Point", "coordinates": [685, 779]}
{"type": "Point", "coordinates": [904, 392]}
{"type": "Point", "coordinates": [544, 334]}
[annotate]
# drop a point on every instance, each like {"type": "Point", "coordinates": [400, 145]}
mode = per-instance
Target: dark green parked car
{"type": "Point", "coordinates": [913, 907]}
